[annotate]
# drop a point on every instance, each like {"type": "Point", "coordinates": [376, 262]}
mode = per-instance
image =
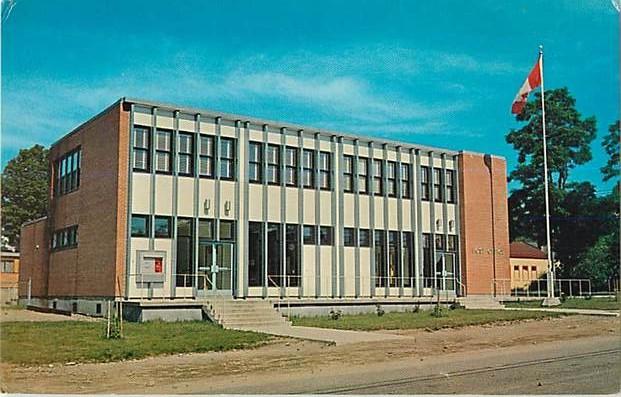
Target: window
{"type": "Point", "coordinates": [380, 258]}
{"type": "Point", "coordinates": [67, 169]}
{"type": "Point", "coordinates": [308, 170]}
{"type": "Point", "coordinates": [428, 275]}
{"type": "Point", "coordinates": [186, 154]}
{"type": "Point", "coordinates": [440, 242]}
{"type": "Point", "coordinates": [141, 149]}
{"type": "Point", "coordinates": [406, 192]}
{"type": "Point", "coordinates": [163, 157]}
{"type": "Point", "coordinates": [227, 158]}
{"type": "Point", "coordinates": [310, 235]}
{"type": "Point", "coordinates": [292, 255]}
{"type": "Point", "coordinates": [162, 227]}
{"type": "Point", "coordinates": [291, 166]}
{"type": "Point", "coordinates": [349, 237]}
{"type": "Point", "coordinates": [206, 156]}
{"type": "Point", "coordinates": [256, 267]}
{"type": "Point", "coordinates": [363, 175]}
{"type": "Point", "coordinates": [255, 160]}
{"type": "Point", "coordinates": [451, 243]}
{"type": "Point", "coordinates": [524, 272]}
{"type": "Point", "coordinates": [140, 225]}
{"type": "Point", "coordinates": [437, 184]}
{"type": "Point", "coordinates": [378, 175]}
{"type": "Point", "coordinates": [7, 266]}
{"type": "Point", "coordinates": [364, 237]}
{"type": "Point", "coordinates": [533, 272]}
{"type": "Point", "coordinates": [424, 182]}
{"type": "Point", "coordinates": [227, 230]}
{"type": "Point", "coordinates": [206, 229]}
{"type": "Point", "coordinates": [185, 252]}
{"type": "Point", "coordinates": [394, 268]}
{"type": "Point", "coordinates": [391, 179]}
{"type": "Point", "coordinates": [516, 272]}
{"type": "Point", "coordinates": [325, 170]}
{"type": "Point", "coordinates": [348, 174]}
{"type": "Point", "coordinates": [325, 235]}
{"type": "Point", "coordinates": [65, 238]}
{"type": "Point", "coordinates": [274, 254]}
{"type": "Point", "coordinates": [407, 258]}
{"type": "Point", "coordinates": [273, 164]}
{"type": "Point", "coordinates": [450, 186]}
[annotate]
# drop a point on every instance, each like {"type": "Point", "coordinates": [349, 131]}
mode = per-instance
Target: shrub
{"type": "Point", "coordinates": [335, 315]}
{"type": "Point", "coordinates": [416, 308]}
{"type": "Point", "coordinates": [438, 311]}
{"type": "Point", "coordinates": [378, 309]}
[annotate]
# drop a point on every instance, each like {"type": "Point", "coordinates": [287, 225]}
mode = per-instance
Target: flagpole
{"type": "Point", "coordinates": [545, 182]}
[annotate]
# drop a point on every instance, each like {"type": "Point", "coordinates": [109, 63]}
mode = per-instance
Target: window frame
{"type": "Point", "coordinates": [209, 157]}
{"type": "Point", "coordinates": [147, 131]}
{"type": "Point", "coordinates": [189, 154]}
{"type": "Point", "coordinates": [272, 164]}
{"type": "Point", "coordinates": [438, 181]}
{"type": "Point", "coordinates": [351, 241]}
{"type": "Point", "coordinates": [405, 178]}
{"type": "Point", "coordinates": [425, 193]}
{"type": "Point", "coordinates": [168, 219]}
{"type": "Point", "coordinates": [312, 240]}
{"type": "Point", "coordinates": [230, 160]}
{"type": "Point", "coordinates": [325, 170]}
{"type": "Point", "coordinates": [366, 242]}
{"type": "Point", "coordinates": [159, 151]}
{"type": "Point", "coordinates": [258, 163]}
{"type": "Point", "coordinates": [378, 177]}
{"type": "Point", "coordinates": [348, 173]}
{"type": "Point", "coordinates": [293, 168]}
{"type": "Point", "coordinates": [306, 168]}
{"type": "Point", "coordinates": [450, 187]}
{"type": "Point", "coordinates": [391, 181]}
{"type": "Point", "coordinates": [363, 175]}
{"type": "Point", "coordinates": [326, 231]}
{"type": "Point", "coordinates": [147, 219]}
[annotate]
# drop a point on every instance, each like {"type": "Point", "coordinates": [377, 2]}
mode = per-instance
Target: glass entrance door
{"type": "Point", "coordinates": [215, 265]}
{"type": "Point", "coordinates": [445, 271]}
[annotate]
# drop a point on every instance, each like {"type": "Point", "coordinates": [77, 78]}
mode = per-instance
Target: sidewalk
{"type": "Point", "coordinates": [586, 312]}
{"type": "Point", "coordinates": [336, 336]}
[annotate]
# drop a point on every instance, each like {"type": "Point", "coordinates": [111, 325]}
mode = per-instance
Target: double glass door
{"type": "Point", "coordinates": [215, 268]}
{"type": "Point", "coordinates": [445, 271]}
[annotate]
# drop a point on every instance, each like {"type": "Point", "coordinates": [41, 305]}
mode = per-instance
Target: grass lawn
{"type": "Point", "coordinates": [61, 342]}
{"type": "Point", "coordinates": [575, 303]}
{"type": "Point", "coordinates": [422, 319]}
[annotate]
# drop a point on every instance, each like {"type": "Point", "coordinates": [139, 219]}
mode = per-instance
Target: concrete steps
{"type": "Point", "coordinates": [245, 314]}
{"type": "Point", "coordinates": [481, 302]}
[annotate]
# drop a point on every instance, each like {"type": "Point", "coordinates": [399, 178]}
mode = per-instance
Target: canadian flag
{"type": "Point", "coordinates": [532, 81]}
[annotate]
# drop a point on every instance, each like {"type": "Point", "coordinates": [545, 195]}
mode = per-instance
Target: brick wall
{"type": "Point", "coordinates": [484, 240]}
{"type": "Point", "coordinates": [34, 258]}
{"type": "Point", "coordinates": [98, 207]}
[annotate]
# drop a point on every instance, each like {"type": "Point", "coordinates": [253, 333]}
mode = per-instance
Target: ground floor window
{"type": "Point", "coordinates": [185, 252]}
{"type": "Point", "coordinates": [380, 258]}
{"type": "Point", "coordinates": [394, 268]}
{"type": "Point", "coordinates": [255, 254]}
{"type": "Point", "coordinates": [274, 254]}
{"type": "Point", "coordinates": [407, 258]}
{"type": "Point", "coordinates": [292, 253]}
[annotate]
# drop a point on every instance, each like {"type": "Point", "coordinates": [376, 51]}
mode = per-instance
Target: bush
{"type": "Point", "coordinates": [588, 297]}
{"type": "Point", "coordinates": [378, 309]}
{"type": "Point", "coordinates": [335, 315]}
{"type": "Point", "coordinates": [438, 311]}
{"type": "Point", "coordinates": [416, 308]}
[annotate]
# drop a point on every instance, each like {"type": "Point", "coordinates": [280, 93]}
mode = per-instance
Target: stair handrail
{"type": "Point", "coordinates": [271, 280]}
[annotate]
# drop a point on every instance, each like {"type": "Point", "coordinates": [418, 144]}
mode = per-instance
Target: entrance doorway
{"type": "Point", "coordinates": [215, 268]}
{"type": "Point", "coordinates": [445, 271]}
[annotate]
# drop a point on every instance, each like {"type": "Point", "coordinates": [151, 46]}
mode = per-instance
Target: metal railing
{"type": "Point", "coordinates": [190, 284]}
{"type": "Point", "coordinates": [539, 287]}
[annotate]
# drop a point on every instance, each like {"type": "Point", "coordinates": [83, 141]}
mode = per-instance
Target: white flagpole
{"type": "Point", "coordinates": [545, 181]}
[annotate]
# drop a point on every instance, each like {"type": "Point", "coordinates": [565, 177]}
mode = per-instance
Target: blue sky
{"type": "Point", "coordinates": [440, 73]}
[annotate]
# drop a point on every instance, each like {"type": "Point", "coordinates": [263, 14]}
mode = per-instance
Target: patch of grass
{"type": "Point", "coordinates": [574, 303]}
{"type": "Point", "coordinates": [422, 319]}
{"type": "Point", "coordinates": [61, 342]}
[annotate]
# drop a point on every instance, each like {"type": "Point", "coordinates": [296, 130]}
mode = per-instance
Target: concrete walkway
{"type": "Point", "coordinates": [586, 312]}
{"type": "Point", "coordinates": [336, 336]}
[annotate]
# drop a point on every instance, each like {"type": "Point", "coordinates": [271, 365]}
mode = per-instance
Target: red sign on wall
{"type": "Point", "coordinates": [158, 265]}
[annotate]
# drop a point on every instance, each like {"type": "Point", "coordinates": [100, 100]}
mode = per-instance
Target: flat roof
{"type": "Point", "coordinates": [276, 124]}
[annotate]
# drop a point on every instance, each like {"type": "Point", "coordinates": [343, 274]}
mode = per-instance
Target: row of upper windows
{"type": "Point", "coordinates": [265, 160]}
{"type": "Point", "coordinates": [67, 172]}
{"type": "Point", "coordinates": [65, 238]}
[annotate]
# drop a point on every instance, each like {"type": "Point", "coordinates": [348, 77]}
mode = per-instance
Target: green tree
{"type": "Point", "coordinates": [611, 146]}
{"type": "Point", "coordinates": [25, 187]}
{"type": "Point", "coordinates": [569, 136]}
{"type": "Point", "coordinates": [600, 263]}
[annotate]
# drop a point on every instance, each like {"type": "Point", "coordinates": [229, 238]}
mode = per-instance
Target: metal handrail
{"type": "Point", "coordinates": [502, 283]}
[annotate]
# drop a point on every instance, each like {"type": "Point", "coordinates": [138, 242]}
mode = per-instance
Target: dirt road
{"type": "Point", "coordinates": [292, 365]}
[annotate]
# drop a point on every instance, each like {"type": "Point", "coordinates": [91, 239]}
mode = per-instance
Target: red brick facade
{"type": "Point", "coordinates": [484, 240]}
{"type": "Point", "coordinates": [98, 207]}
{"type": "Point", "coordinates": [34, 257]}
